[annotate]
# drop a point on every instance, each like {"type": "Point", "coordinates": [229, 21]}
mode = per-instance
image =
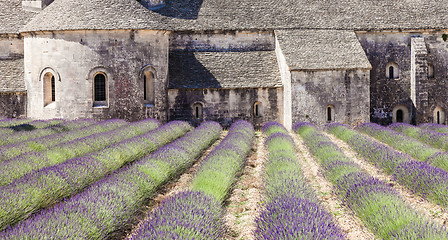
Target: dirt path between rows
{"type": "Point", "coordinates": [176, 186]}
{"type": "Point", "coordinates": [326, 192]}
{"type": "Point", "coordinates": [244, 202]}
{"type": "Point", "coordinates": [433, 211]}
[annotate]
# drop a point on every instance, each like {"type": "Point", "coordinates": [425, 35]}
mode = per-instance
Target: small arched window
{"type": "Point", "coordinates": [49, 88]}
{"type": "Point", "coordinates": [330, 113]}
{"type": "Point", "coordinates": [401, 114]}
{"type": "Point", "coordinates": [258, 111]}
{"type": "Point", "coordinates": [439, 115]}
{"type": "Point", "coordinates": [198, 111]}
{"type": "Point", "coordinates": [148, 87]}
{"type": "Point", "coordinates": [100, 89]}
{"type": "Point", "coordinates": [392, 71]}
{"type": "Point", "coordinates": [430, 70]}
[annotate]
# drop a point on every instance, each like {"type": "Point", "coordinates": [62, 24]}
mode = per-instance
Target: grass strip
{"type": "Point", "coordinates": [44, 143]}
{"type": "Point", "coordinates": [16, 167]}
{"type": "Point", "coordinates": [197, 213]}
{"type": "Point", "coordinates": [372, 200]}
{"type": "Point", "coordinates": [47, 186]}
{"type": "Point", "coordinates": [416, 149]}
{"type": "Point", "coordinates": [434, 127]}
{"type": "Point", "coordinates": [29, 126]}
{"type": "Point", "coordinates": [427, 181]}
{"type": "Point", "coordinates": [10, 122]}
{"type": "Point", "coordinates": [291, 209]}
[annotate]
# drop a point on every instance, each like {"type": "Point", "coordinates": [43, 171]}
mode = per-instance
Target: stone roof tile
{"type": "Point", "coordinates": [12, 75]}
{"type": "Point", "coordinates": [12, 16]}
{"type": "Point", "coordinates": [223, 69]}
{"type": "Point", "coordinates": [322, 49]}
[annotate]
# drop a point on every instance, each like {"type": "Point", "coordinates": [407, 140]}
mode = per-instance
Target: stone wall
{"type": "Point", "coordinates": [11, 46]}
{"type": "Point", "coordinates": [223, 41]}
{"type": "Point", "coordinates": [75, 56]}
{"type": "Point", "coordinates": [345, 91]}
{"type": "Point", "coordinates": [226, 105]}
{"type": "Point", "coordinates": [13, 104]}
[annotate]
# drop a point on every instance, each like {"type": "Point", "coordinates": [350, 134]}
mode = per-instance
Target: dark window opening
{"type": "Point", "coordinates": [196, 114]}
{"type": "Point", "coordinates": [391, 72]}
{"type": "Point", "coordinates": [256, 110]}
{"type": "Point", "coordinates": [438, 117]}
{"type": "Point", "coordinates": [53, 90]}
{"type": "Point", "coordinates": [329, 114]}
{"type": "Point", "coordinates": [400, 116]}
{"type": "Point", "coordinates": [100, 87]}
{"type": "Point", "coordinates": [144, 87]}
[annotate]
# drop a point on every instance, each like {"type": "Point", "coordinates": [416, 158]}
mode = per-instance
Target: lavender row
{"type": "Point", "coordinates": [29, 126]}
{"type": "Point", "coordinates": [47, 186]}
{"type": "Point", "coordinates": [291, 209]}
{"type": "Point", "coordinates": [414, 148]}
{"type": "Point", "coordinates": [421, 178]}
{"type": "Point", "coordinates": [16, 167]}
{"type": "Point", "coordinates": [434, 127]}
{"type": "Point", "coordinates": [43, 143]}
{"type": "Point", "coordinates": [107, 208]}
{"type": "Point", "coordinates": [372, 200]}
{"type": "Point", "coordinates": [21, 136]}
{"type": "Point", "coordinates": [197, 214]}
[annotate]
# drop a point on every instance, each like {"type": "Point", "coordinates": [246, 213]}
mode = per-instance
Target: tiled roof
{"type": "Point", "coordinates": [12, 16]}
{"type": "Point", "coordinates": [322, 49]}
{"type": "Point", "coordinates": [223, 69]}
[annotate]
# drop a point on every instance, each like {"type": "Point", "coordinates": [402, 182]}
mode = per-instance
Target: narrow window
{"type": "Point", "coordinates": [438, 117]}
{"type": "Point", "coordinates": [430, 70]}
{"type": "Point", "coordinates": [148, 87]}
{"type": "Point", "coordinates": [258, 109]}
{"type": "Point", "coordinates": [400, 116]}
{"type": "Point", "coordinates": [197, 111]}
{"type": "Point", "coordinates": [49, 89]}
{"type": "Point", "coordinates": [329, 114]}
{"type": "Point", "coordinates": [391, 72]}
{"type": "Point", "coordinates": [100, 87]}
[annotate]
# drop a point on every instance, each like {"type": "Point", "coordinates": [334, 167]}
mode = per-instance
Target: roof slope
{"type": "Point", "coordinates": [12, 76]}
{"type": "Point", "coordinates": [322, 49]}
{"type": "Point", "coordinates": [223, 69]}
{"type": "Point", "coordinates": [12, 16]}
{"type": "Point", "coordinates": [95, 14]}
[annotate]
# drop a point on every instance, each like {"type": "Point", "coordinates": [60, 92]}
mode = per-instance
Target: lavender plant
{"type": "Point", "coordinates": [291, 210]}
{"type": "Point", "coordinates": [36, 124]}
{"type": "Point", "coordinates": [414, 148]}
{"type": "Point", "coordinates": [44, 143]}
{"type": "Point", "coordinates": [108, 207]}
{"type": "Point", "coordinates": [421, 178]}
{"type": "Point", "coordinates": [47, 186]}
{"type": "Point", "coordinates": [32, 161]}
{"type": "Point", "coordinates": [375, 202]}
{"type": "Point", "coordinates": [198, 214]}
{"type": "Point", "coordinates": [10, 122]}
{"type": "Point", "coordinates": [434, 127]}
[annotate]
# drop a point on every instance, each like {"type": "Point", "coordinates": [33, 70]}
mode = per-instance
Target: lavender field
{"type": "Point", "coordinates": [113, 179]}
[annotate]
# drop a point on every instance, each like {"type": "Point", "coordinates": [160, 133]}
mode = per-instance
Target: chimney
{"type": "Point", "coordinates": [35, 5]}
{"type": "Point", "coordinates": [153, 4]}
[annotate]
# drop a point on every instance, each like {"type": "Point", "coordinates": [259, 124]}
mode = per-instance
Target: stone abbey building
{"type": "Point", "coordinates": [349, 61]}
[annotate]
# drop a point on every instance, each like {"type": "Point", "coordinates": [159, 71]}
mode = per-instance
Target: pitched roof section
{"type": "Point", "coordinates": [12, 76]}
{"type": "Point", "coordinates": [12, 16]}
{"type": "Point", "coordinates": [95, 15]}
{"type": "Point", "coordinates": [223, 70]}
{"type": "Point", "coordinates": [322, 49]}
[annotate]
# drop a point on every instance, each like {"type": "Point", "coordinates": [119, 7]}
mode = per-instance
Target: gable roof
{"type": "Point", "coordinates": [12, 75]}
{"type": "Point", "coordinates": [95, 15]}
{"type": "Point", "coordinates": [223, 69]}
{"type": "Point", "coordinates": [12, 16]}
{"type": "Point", "coordinates": [322, 49]}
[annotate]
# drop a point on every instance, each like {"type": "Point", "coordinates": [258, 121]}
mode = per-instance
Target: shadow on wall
{"type": "Point", "coordinates": [183, 9]}
{"type": "Point", "coordinates": [186, 71]}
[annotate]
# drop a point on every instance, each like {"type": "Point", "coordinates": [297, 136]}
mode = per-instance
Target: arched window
{"type": "Point", "coordinates": [401, 114]}
{"type": "Point", "coordinates": [49, 88]}
{"type": "Point", "coordinates": [197, 111]}
{"type": "Point", "coordinates": [148, 87]}
{"type": "Point", "coordinates": [258, 111]}
{"type": "Point", "coordinates": [439, 115]}
{"type": "Point", "coordinates": [430, 70]}
{"type": "Point", "coordinates": [330, 113]}
{"type": "Point", "coordinates": [392, 71]}
{"type": "Point", "coordinates": [100, 89]}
